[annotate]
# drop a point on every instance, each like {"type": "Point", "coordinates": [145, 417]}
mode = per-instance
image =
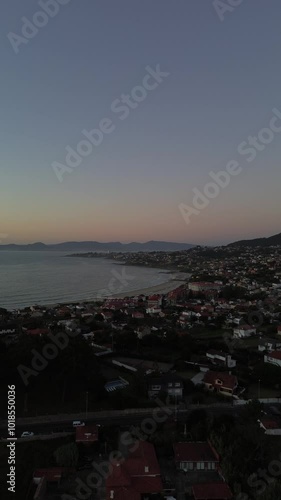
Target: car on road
{"type": "Point", "coordinates": [26, 434]}
{"type": "Point", "coordinates": [78, 423]}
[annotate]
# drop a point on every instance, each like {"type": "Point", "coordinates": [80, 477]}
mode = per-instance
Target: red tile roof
{"type": "Point", "coordinates": [137, 314]}
{"type": "Point", "coordinates": [212, 491]}
{"type": "Point", "coordinates": [125, 493]}
{"type": "Point", "coordinates": [138, 474]}
{"type": "Point", "coordinates": [195, 452]}
{"type": "Point", "coordinates": [143, 456]}
{"type": "Point", "coordinates": [87, 434]}
{"type": "Point", "coordinates": [37, 331]}
{"type": "Point", "coordinates": [228, 381]}
{"type": "Point", "coordinates": [269, 423]}
{"type": "Point", "coordinates": [52, 474]}
{"type": "Point", "coordinates": [275, 355]}
{"type": "Point", "coordinates": [148, 484]}
{"type": "Point", "coordinates": [119, 477]}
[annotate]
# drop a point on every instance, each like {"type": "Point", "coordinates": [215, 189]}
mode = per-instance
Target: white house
{"type": "Point", "coordinates": [153, 310]}
{"type": "Point", "coordinates": [221, 358]}
{"type": "Point", "coordinates": [7, 329]}
{"type": "Point", "coordinates": [274, 358]}
{"type": "Point", "coordinates": [269, 345]}
{"type": "Point", "coordinates": [244, 331]}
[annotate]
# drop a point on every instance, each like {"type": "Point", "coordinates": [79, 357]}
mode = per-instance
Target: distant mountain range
{"type": "Point", "coordinates": [95, 246]}
{"type": "Point", "coordinates": [258, 242]}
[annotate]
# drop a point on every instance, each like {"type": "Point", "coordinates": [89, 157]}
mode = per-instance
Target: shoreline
{"type": "Point", "coordinates": [173, 279]}
{"type": "Point", "coordinates": [161, 289]}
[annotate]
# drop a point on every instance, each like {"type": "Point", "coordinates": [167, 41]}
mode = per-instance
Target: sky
{"type": "Point", "coordinates": [220, 82]}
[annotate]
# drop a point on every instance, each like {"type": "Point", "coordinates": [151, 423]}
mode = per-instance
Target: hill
{"type": "Point", "coordinates": [95, 246]}
{"type": "Point", "coordinates": [258, 242]}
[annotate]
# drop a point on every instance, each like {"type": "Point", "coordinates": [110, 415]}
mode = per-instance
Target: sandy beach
{"type": "Point", "coordinates": [172, 283]}
{"type": "Point", "coordinates": [162, 289]}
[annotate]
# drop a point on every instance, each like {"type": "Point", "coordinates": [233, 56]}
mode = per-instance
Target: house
{"type": "Point", "coordinates": [185, 317]}
{"type": "Point", "coordinates": [115, 304]}
{"type": "Point", "coordinates": [137, 315]}
{"type": "Point", "coordinates": [87, 434]}
{"type": "Point", "coordinates": [107, 315]}
{"type": "Point", "coordinates": [203, 286]}
{"type": "Point", "coordinates": [136, 477]}
{"type": "Point", "coordinates": [196, 456]}
{"type": "Point", "coordinates": [42, 478]}
{"type": "Point", "coordinates": [269, 345]}
{"type": "Point", "coordinates": [52, 474]}
{"type": "Point", "coordinates": [143, 331]}
{"type": "Point", "coordinates": [174, 295]}
{"type": "Point", "coordinates": [221, 358]}
{"type": "Point", "coordinates": [271, 425]}
{"type": "Point", "coordinates": [37, 331]}
{"type": "Point", "coordinates": [273, 358]}
{"type": "Point", "coordinates": [211, 491]}
{"type": "Point", "coordinates": [115, 385]}
{"type": "Point", "coordinates": [4, 329]}
{"type": "Point", "coordinates": [154, 301]}
{"type": "Point", "coordinates": [171, 384]}
{"type": "Point", "coordinates": [142, 366]}
{"type": "Point", "coordinates": [153, 310]}
{"type": "Point", "coordinates": [244, 331]}
{"type": "Point", "coordinates": [220, 382]}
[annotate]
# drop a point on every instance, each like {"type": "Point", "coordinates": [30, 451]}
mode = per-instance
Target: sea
{"type": "Point", "coordinates": [43, 278]}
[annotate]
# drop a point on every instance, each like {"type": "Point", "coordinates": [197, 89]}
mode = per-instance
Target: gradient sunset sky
{"type": "Point", "coordinates": [224, 80]}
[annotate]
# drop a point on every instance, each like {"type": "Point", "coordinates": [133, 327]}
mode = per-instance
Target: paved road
{"type": "Point", "coordinates": [63, 423]}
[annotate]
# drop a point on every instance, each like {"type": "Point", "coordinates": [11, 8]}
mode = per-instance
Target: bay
{"type": "Point", "coordinates": [45, 277]}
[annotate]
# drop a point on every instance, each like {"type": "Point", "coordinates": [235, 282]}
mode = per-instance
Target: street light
{"type": "Point", "coordinates": [87, 403]}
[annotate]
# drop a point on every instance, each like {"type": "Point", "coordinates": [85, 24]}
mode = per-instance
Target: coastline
{"type": "Point", "coordinates": [162, 289]}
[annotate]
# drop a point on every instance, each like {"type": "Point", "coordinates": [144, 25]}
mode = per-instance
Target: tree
{"type": "Point", "coordinates": [253, 410]}
{"type": "Point", "coordinates": [67, 455]}
{"type": "Point", "coordinates": [233, 292]}
{"type": "Point", "coordinates": [99, 317]}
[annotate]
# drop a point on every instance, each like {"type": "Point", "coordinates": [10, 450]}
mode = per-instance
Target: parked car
{"type": "Point", "coordinates": [26, 434]}
{"type": "Point", "coordinates": [78, 423]}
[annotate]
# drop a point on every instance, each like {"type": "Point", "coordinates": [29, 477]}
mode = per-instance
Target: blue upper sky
{"type": "Point", "coordinates": [224, 80]}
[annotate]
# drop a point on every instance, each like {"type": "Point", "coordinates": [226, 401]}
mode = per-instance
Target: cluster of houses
{"type": "Point", "coordinates": [136, 474]}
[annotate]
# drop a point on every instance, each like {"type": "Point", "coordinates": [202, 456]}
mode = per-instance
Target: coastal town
{"type": "Point", "coordinates": [207, 350]}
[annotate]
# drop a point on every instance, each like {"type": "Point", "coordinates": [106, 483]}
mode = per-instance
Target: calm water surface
{"type": "Point", "coordinates": [28, 278]}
